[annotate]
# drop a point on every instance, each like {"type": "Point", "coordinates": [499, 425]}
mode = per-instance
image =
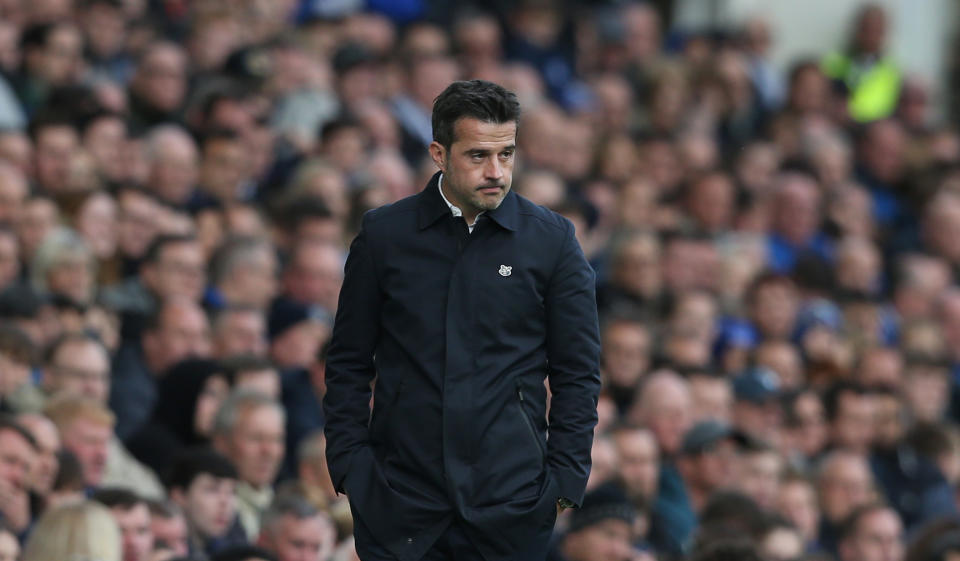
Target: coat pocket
{"type": "Point", "coordinates": [380, 420]}
{"type": "Point", "coordinates": [530, 426]}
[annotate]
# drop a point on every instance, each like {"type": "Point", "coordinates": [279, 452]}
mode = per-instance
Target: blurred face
{"type": "Point", "coordinates": [223, 168]}
{"type": "Point", "coordinates": [16, 458]}
{"type": "Point", "coordinates": [138, 223]}
{"type": "Point", "coordinates": [89, 442]}
{"type": "Point", "coordinates": [608, 540]}
{"type": "Point", "coordinates": [55, 147]}
{"type": "Point", "coordinates": [183, 332]}
{"type": "Point", "coordinates": [853, 427]}
{"type": "Point", "coordinates": [257, 445]}
{"type": "Point", "coordinates": [316, 275]}
{"type": "Point", "coordinates": [180, 272]}
{"type": "Point", "coordinates": [759, 475]}
{"type": "Point", "coordinates": [72, 275]}
{"type": "Point", "coordinates": [478, 167]}
{"type": "Point", "coordinates": [174, 172]}
{"type": "Point", "coordinates": [97, 223]}
{"type": "Point", "coordinates": [712, 398]}
{"type": "Point", "coordinates": [211, 397]}
{"type": "Point", "coordinates": [13, 191]}
{"type": "Point", "coordinates": [844, 487]}
{"type": "Point", "coordinates": [626, 348]}
{"type": "Point", "coordinates": [928, 392]}
{"type": "Point", "coordinates": [61, 56]}
{"type": "Point", "coordinates": [241, 332]}
{"type": "Point", "coordinates": [9, 259]}
{"type": "Point", "coordinates": [639, 463]}
{"type": "Point", "coordinates": [39, 218]}
{"type": "Point", "coordinates": [209, 504]}
{"type": "Point", "coordinates": [48, 444]}
{"type": "Point", "coordinates": [171, 533]}
{"type": "Point", "coordinates": [782, 544]}
{"type": "Point", "coordinates": [810, 433]}
{"type": "Point", "coordinates": [297, 347]}
{"type": "Point", "coordinates": [712, 202]}
{"type": "Point", "coordinates": [638, 269]}
{"type": "Point", "coordinates": [81, 368]}
{"type": "Point", "coordinates": [135, 531]}
{"type": "Point", "coordinates": [775, 310]}
{"type": "Point", "coordinates": [798, 503]}
{"type": "Point", "coordinates": [879, 537]}
{"type": "Point", "coordinates": [667, 412]}
{"type": "Point", "coordinates": [712, 470]}
{"type": "Point", "coordinates": [797, 211]}
{"type": "Point", "coordinates": [161, 80]}
{"type": "Point", "coordinates": [105, 139]}
{"type": "Point", "coordinates": [310, 539]}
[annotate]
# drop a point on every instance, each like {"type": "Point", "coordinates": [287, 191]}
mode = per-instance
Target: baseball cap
{"type": "Point", "coordinates": [602, 503]}
{"type": "Point", "coordinates": [707, 434]}
{"type": "Point", "coordinates": [756, 385]}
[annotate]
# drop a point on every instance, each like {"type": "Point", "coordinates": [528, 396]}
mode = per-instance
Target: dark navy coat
{"type": "Point", "coordinates": [460, 331]}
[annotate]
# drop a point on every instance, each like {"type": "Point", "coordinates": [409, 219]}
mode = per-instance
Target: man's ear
{"type": "Point", "coordinates": [439, 155]}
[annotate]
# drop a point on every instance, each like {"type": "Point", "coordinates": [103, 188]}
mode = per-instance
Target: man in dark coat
{"type": "Point", "coordinates": [461, 300]}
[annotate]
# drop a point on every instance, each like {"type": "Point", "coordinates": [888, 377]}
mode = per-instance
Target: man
{"type": "Point", "coordinates": [600, 530]}
{"type": "Point", "coordinates": [295, 530]}
{"type": "Point", "coordinates": [133, 518]}
{"type": "Point", "coordinates": [844, 482]}
{"type": "Point", "coordinates": [202, 483]}
{"type": "Point", "coordinates": [850, 413]}
{"type": "Point", "coordinates": [17, 455]}
{"type": "Point", "coordinates": [78, 364]}
{"type": "Point", "coordinates": [239, 330]}
{"type": "Point", "coordinates": [169, 527]}
{"type": "Point", "coordinates": [872, 532]}
{"type": "Point", "coordinates": [708, 460]}
{"type": "Point", "coordinates": [469, 296]}
{"type": "Point", "coordinates": [249, 431]}
{"type": "Point", "coordinates": [178, 330]}
{"type": "Point", "coordinates": [47, 439]}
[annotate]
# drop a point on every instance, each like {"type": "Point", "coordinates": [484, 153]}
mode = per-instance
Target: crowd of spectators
{"type": "Point", "coordinates": [775, 249]}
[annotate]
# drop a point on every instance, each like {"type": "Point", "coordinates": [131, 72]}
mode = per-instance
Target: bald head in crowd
{"type": "Point", "coordinates": [664, 405]}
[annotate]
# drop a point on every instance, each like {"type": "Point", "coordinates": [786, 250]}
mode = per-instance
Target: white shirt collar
{"type": "Point", "coordinates": [454, 208]}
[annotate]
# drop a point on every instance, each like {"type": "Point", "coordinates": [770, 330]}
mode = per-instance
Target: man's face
{"type": "Point", "coordinates": [626, 349]}
{"type": "Point", "coordinates": [81, 368]}
{"type": "Point", "coordinates": [316, 274]}
{"type": "Point", "coordinates": [48, 444]}
{"type": "Point", "coordinates": [184, 332]}
{"type": "Point", "coordinates": [257, 445]}
{"type": "Point", "coordinates": [209, 504]}
{"type": "Point", "coordinates": [241, 332]}
{"type": "Point", "coordinates": [89, 442]}
{"type": "Point", "coordinates": [853, 425]}
{"type": "Point", "coordinates": [135, 531]}
{"type": "Point", "coordinates": [54, 151]}
{"type": "Point", "coordinates": [223, 167]}
{"type": "Point", "coordinates": [138, 223]}
{"type": "Point", "coordinates": [845, 487]}
{"type": "Point", "coordinates": [879, 537]}
{"type": "Point", "coordinates": [302, 540]}
{"type": "Point", "coordinates": [171, 533]}
{"type": "Point", "coordinates": [178, 272]}
{"type": "Point", "coordinates": [608, 540]}
{"type": "Point", "coordinates": [478, 167]}
{"type": "Point", "coordinates": [759, 475]}
{"type": "Point", "coordinates": [639, 462]}
{"type": "Point", "coordinates": [16, 457]}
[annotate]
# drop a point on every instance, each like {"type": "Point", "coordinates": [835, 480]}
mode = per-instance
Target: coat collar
{"type": "Point", "coordinates": [431, 207]}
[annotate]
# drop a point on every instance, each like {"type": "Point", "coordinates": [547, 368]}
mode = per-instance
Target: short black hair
{"type": "Point", "coordinates": [160, 243]}
{"type": "Point", "coordinates": [478, 99]}
{"type": "Point", "coordinates": [831, 399]}
{"type": "Point", "coordinates": [243, 553]}
{"type": "Point", "coordinates": [117, 497]}
{"type": "Point", "coordinates": [8, 423]}
{"type": "Point", "coordinates": [196, 461]}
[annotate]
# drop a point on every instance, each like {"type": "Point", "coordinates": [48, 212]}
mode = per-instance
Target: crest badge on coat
{"type": "Point", "coordinates": [505, 271]}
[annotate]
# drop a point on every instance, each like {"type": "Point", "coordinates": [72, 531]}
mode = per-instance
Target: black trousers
{"type": "Point", "coordinates": [452, 545]}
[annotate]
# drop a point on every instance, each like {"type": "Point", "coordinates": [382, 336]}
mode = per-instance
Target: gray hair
{"type": "Point", "coordinates": [60, 244]}
{"type": "Point", "coordinates": [234, 254]}
{"type": "Point", "coordinates": [287, 504]}
{"type": "Point", "coordinates": [240, 401]}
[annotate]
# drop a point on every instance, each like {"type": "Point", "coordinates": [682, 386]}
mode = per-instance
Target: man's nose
{"type": "Point", "coordinates": [493, 168]}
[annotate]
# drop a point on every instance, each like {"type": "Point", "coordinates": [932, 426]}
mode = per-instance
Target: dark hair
{"type": "Point", "coordinates": [478, 99]}
{"type": "Point", "coordinates": [196, 461]}
{"type": "Point", "coordinates": [70, 473]}
{"type": "Point", "coordinates": [70, 338]}
{"type": "Point", "coordinates": [117, 497]}
{"type": "Point", "coordinates": [236, 366]}
{"type": "Point", "coordinates": [243, 553]}
{"type": "Point", "coordinates": [831, 399]}
{"type": "Point", "coordinates": [17, 345]}
{"type": "Point", "coordinates": [160, 243]}
{"type": "Point", "coordinates": [7, 423]}
{"type": "Point", "coordinates": [851, 523]}
{"type": "Point", "coordinates": [727, 549]}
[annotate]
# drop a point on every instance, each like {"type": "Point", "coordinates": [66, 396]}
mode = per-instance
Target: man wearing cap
{"type": "Point", "coordinates": [756, 408]}
{"type": "Point", "coordinates": [600, 530]}
{"type": "Point", "coordinates": [461, 300]}
{"type": "Point", "coordinates": [708, 460]}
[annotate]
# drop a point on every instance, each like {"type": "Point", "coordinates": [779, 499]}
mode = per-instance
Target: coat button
{"type": "Point", "coordinates": [409, 540]}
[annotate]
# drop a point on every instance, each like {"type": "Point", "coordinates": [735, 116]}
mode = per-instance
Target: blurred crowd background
{"type": "Point", "coordinates": [776, 248]}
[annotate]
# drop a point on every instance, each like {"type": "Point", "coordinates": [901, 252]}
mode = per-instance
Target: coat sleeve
{"type": "Point", "coordinates": [573, 355]}
{"type": "Point", "coordinates": [350, 367]}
